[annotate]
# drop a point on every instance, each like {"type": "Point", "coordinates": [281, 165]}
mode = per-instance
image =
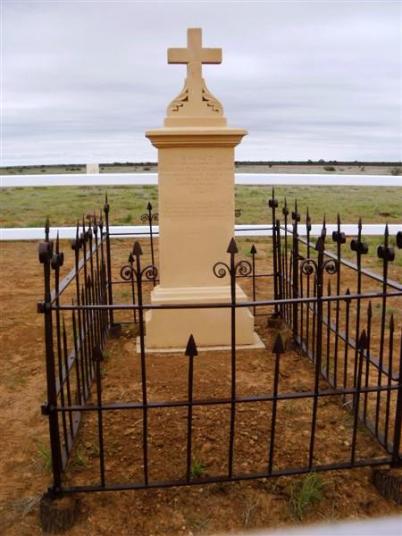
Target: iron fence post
{"type": "Point", "coordinates": [232, 250]}
{"type": "Point", "coordinates": [191, 352]}
{"type": "Point", "coordinates": [339, 238]}
{"type": "Point", "coordinates": [45, 257]}
{"type": "Point", "coordinates": [360, 248]}
{"type": "Point", "coordinates": [295, 271]}
{"type": "Point", "coordinates": [253, 252]}
{"type": "Point", "coordinates": [278, 349]}
{"type": "Point", "coordinates": [319, 276]}
{"type": "Point", "coordinates": [285, 212]}
{"type": "Point", "coordinates": [150, 218]}
{"type": "Point", "coordinates": [273, 204]}
{"type": "Point", "coordinates": [221, 269]}
{"type": "Point", "coordinates": [396, 455]}
{"type": "Point", "coordinates": [106, 210]}
{"type": "Point", "coordinates": [279, 263]}
{"type": "Point", "coordinates": [387, 255]}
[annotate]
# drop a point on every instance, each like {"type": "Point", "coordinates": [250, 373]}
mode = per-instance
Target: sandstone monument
{"type": "Point", "coordinates": [196, 211]}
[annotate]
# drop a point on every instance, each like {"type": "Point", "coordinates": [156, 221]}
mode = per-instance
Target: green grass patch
{"type": "Point", "coordinates": [304, 494]}
{"type": "Point", "coordinates": [28, 207]}
{"type": "Point", "coordinates": [45, 456]}
{"type": "Point", "coordinates": [197, 469]}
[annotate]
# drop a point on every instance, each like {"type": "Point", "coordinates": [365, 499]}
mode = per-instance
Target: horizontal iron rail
{"type": "Point", "coordinates": [227, 401]}
{"type": "Point", "coordinates": [71, 358]}
{"type": "Point", "coordinates": [65, 282]}
{"type": "Point", "coordinates": [367, 423]}
{"type": "Point", "coordinates": [228, 305]}
{"type": "Point", "coordinates": [352, 265]}
{"type": "Point", "coordinates": [351, 342]}
{"type": "Point", "coordinates": [225, 478]}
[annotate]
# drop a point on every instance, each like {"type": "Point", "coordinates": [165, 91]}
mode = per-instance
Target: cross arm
{"type": "Point", "coordinates": [211, 55]}
{"type": "Point", "coordinates": [178, 55]}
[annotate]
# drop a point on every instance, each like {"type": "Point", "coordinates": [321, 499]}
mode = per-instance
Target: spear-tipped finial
{"type": "Point", "coordinates": [319, 246]}
{"type": "Point", "coordinates": [232, 247]}
{"type": "Point", "coordinates": [338, 220]}
{"type": "Point", "coordinates": [273, 203]}
{"type": "Point", "coordinates": [149, 206]}
{"type": "Point", "coordinates": [399, 239]}
{"type": "Point", "coordinates": [47, 228]}
{"type": "Point", "coordinates": [137, 249]}
{"type": "Point", "coordinates": [57, 242]}
{"type": "Point", "coordinates": [191, 348]}
{"type": "Point", "coordinates": [285, 210]}
{"type": "Point", "coordinates": [106, 205]}
{"type": "Point", "coordinates": [253, 250]}
{"type": "Point", "coordinates": [279, 347]}
{"type": "Point", "coordinates": [363, 340]}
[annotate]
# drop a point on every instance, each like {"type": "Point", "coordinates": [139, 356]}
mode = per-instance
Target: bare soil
{"type": "Point", "coordinates": [196, 510]}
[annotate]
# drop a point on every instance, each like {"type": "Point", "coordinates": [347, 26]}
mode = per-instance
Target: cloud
{"type": "Point", "coordinates": [83, 80]}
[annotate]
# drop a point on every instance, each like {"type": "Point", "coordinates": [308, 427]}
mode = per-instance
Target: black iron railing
{"type": "Point", "coordinates": [354, 356]}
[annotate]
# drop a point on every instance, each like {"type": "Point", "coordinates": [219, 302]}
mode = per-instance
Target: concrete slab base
{"type": "Point", "coordinates": [257, 345]}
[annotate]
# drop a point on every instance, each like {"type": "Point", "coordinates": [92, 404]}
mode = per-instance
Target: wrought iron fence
{"type": "Point", "coordinates": [326, 301]}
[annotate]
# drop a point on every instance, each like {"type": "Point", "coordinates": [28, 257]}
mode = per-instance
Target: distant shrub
{"type": "Point", "coordinates": [396, 171]}
{"type": "Point", "coordinates": [146, 168]}
{"type": "Point", "coordinates": [329, 168]}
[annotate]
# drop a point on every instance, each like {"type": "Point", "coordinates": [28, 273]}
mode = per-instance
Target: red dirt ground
{"type": "Point", "coordinates": [196, 510]}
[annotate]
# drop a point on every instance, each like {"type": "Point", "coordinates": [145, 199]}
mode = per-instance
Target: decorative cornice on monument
{"type": "Point", "coordinates": [195, 137]}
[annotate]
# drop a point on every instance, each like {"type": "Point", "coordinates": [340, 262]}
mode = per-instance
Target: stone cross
{"type": "Point", "coordinates": [194, 56]}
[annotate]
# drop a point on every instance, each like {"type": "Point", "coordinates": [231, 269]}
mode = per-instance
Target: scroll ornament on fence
{"type": "Point", "coordinates": [311, 266]}
{"type": "Point", "coordinates": [150, 271]}
{"type": "Point", "coordinates": [242, 268]}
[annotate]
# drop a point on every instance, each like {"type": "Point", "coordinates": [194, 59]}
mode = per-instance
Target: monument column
{"type": "Point", "coordinates": [196, 212]}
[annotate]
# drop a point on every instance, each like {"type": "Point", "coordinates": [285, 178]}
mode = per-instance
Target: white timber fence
{"type": "Point", "coordinates": [149, 179]}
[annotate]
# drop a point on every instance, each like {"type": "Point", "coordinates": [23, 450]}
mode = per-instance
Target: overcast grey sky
{"type": "Point", "coordinates": [83, 80]}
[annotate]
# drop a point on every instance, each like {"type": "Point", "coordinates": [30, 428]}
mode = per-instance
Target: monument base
{"type": "Point", "coordinates": [171, 328]}
{"type": "Point", "coordinates": [257, 345]}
